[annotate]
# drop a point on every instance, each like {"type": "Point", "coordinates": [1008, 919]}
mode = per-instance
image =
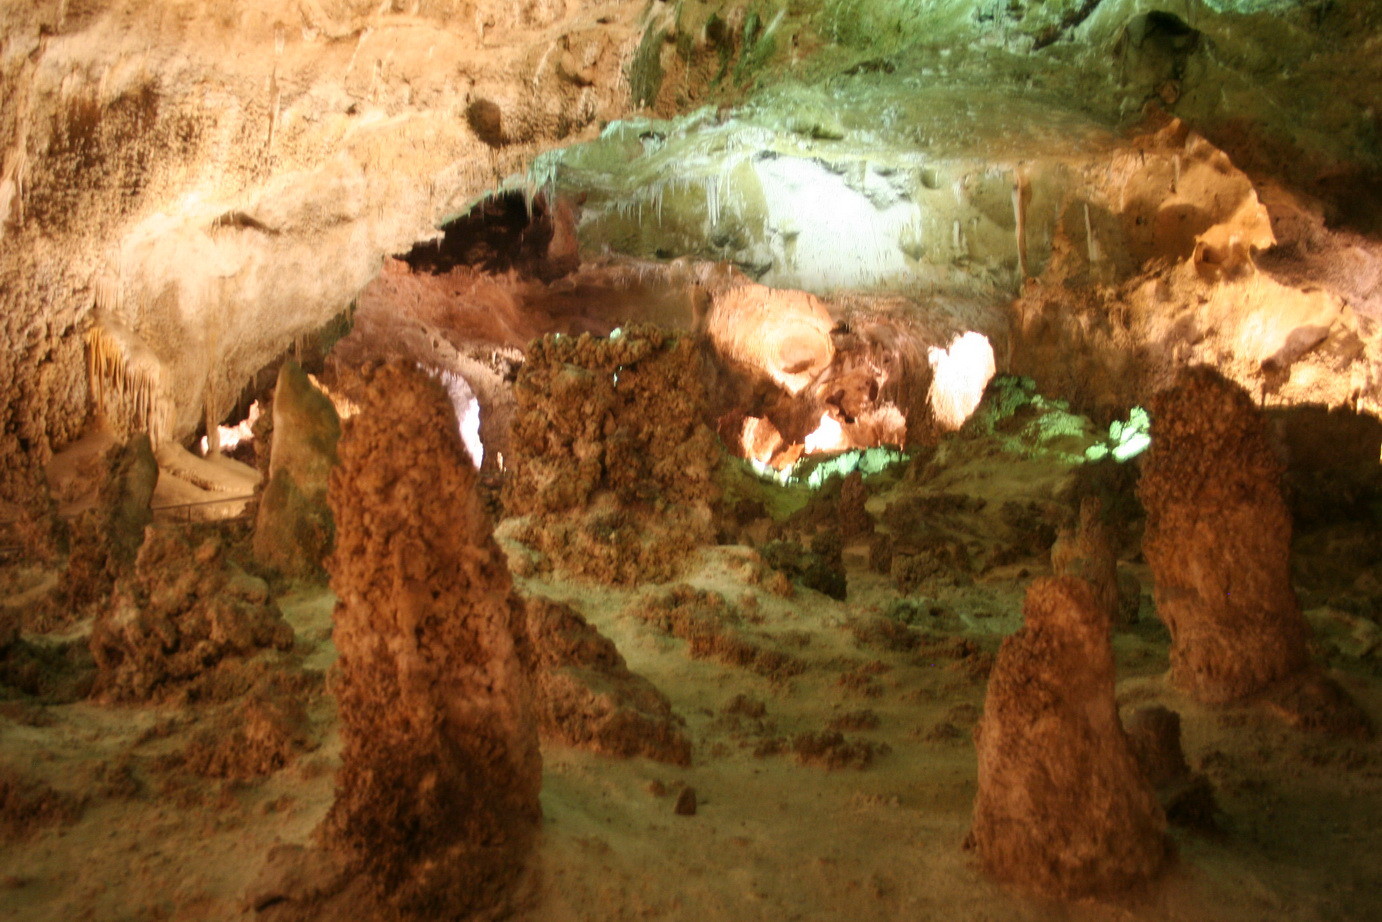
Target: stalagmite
{"type": "Point", "coordinates": [1085, 549]}
{"type": "Point", "coordinates": [437, 796]}
{"type": "Point", "coordinates": [293, 525]}
{"type": "Point", "coordinates": [1218, 539]}
{"type": "Point", "coordinates": [1063, 809]}
{"type": "Point", "coordinates": [106, 538]}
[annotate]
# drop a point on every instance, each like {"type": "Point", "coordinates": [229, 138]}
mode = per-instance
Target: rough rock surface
{"type": "Point", "coordinates": [1218, 539]}
{"type": "Point", "coordinates": [106, 538]}
{"type": "Point", "coordinates": [184, 614]}
{"type": "Point", "coordinates": [1086, 550]}
{"type": "Point", "coordinates": [293, 527]}
{"type": "Point", "coordinates": [437, 797]}
{"type": "Point", "coordinates": [611, 458]}
{"type": "Point", "coordinates": [587, 697]}
{"type": "Point", "coordinates": [189, 166]}
{"type": "Point", "coordinates": [1063, 808]}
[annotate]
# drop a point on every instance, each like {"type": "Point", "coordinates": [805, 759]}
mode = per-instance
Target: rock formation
{"type": "Point", "coordinates": [608, 432]}
{"type": "Point", "coordinates": [437, 797]}
{"type": "Point", "coordinates": [1086, 550]}
{"type": "Point", "coordinates": [1063, 809]}
{"type": "Point", "coordinates": [1218, 539]}
{"type": "Point", "coordinates": [588, 698]}
{"type": "Point", "coordinates": [106, 538]}
{"type": "Point", "coordinates": [185, 614]}
{"type": "Point", "coordinates": [293, 527]}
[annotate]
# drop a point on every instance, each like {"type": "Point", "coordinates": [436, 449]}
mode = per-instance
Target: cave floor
{"type": "Point", "coordinates": [871, 827]}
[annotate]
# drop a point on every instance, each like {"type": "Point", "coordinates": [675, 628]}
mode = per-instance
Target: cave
{"type": "Point", "coordinates": [847, 459]}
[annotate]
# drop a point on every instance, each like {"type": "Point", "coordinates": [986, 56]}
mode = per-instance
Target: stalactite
{"type": "Point", "coordinates": [1091, 244]}
{"type": "Point", "coordinates": [126, 381]}
{"type": "Point", "coordinates": [1020, 193]}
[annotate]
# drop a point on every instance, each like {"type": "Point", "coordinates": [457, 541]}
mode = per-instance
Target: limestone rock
{"type": "Point", "coordinates": [587, 696]}
{"type": "Point", "coordinates": [293, 528]}
{"type": "Point", "coordinates": [1063, 809]}
{"type": "Point", "coordinates": [437, 796]}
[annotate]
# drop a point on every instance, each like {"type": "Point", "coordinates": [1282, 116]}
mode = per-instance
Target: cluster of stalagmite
{"type": "Point", "coordinates": [1218, 539]}
{"type": "Point", "coordinates": [181, 621]}
{"type": "Point", "coordinates": [1063, 809]}
{"type": "Point", "coordinates": [437, 796]}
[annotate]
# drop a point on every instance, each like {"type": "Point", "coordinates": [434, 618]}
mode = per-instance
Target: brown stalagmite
{"type": "Point", "coordinates": [1062, 809]}
{"type": "Point", "coordinates": [1218, 540]}
{"type": "Point", "coordinates": [589, 698]}
{"type": "Point", "coordinates": [1086, 550]}
{"type": "Point", "coordinates": [437, 796]}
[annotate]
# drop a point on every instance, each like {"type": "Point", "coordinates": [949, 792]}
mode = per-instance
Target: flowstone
{"type": "Point", "coordinates": [437, 797]}
{"type": "Point", "coordinates": [1063, 809]}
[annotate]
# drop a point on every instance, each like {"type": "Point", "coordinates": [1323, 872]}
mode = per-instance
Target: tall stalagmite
{"type": "Point", "coordinates": [1218, 539]}
{"type": "Point", "coordinates": [1063, 809]}
{"type": "Point", "coordinates": [437, 797]}
{"type": "Point", "coordinates": [293, 528]}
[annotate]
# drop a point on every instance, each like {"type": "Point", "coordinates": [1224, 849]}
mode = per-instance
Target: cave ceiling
{"type": "Point", "coordinates": [209, 182]}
